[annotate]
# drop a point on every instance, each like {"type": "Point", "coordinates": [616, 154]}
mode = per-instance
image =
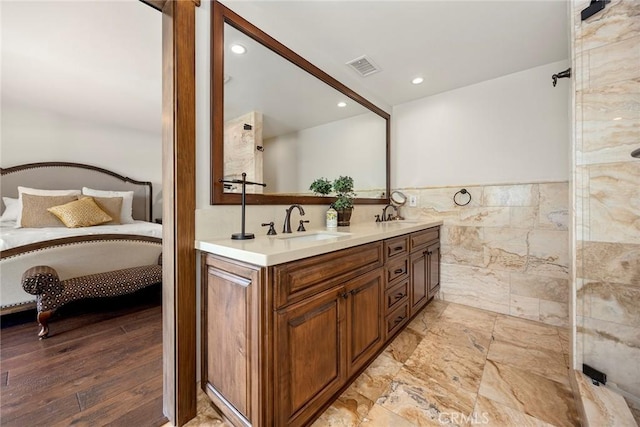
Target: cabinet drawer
{"type": "Point", "coordinates": [396, 247]}
{"type": "Point", "coordinates": [397, 319]}
{"type": "Point", "coordinates": [396, 296]}
{"type": "Point", "coordinates": [397, 269]}
{"type": "Point", "coordinates": [420, 239]}
{"type": "Point", "coordinates": [299, 279]}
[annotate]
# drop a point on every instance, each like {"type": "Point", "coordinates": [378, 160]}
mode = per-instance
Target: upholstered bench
{"type": "Point", "coordinates": [52, 293]}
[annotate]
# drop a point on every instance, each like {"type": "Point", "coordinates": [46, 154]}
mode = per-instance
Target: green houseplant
{"type": "Point", "coordinates": [321, 186]}
{"type": "Point", "coordinates": [343, 187]}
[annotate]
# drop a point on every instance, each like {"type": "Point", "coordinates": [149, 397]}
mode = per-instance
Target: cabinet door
{"type": "Point", "coordinates": [433, 252]}
{"type": "Point", "coordinates": [231, 338]}
{"type": "Point", "coordinates": [364, 297]}
{"type": "Point", "coordinates": [418, 294]}
{"type": "Point", "coordinates": [309, 359]}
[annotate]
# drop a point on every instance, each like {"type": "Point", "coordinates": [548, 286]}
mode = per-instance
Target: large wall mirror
{"type": "Point", "coordinates": [284, 122]}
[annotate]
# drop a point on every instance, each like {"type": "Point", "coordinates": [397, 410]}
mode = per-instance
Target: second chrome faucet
{"type": "Point", "coordinates": [286, 228]}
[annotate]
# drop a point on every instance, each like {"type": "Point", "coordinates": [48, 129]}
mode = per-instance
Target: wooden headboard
{"type": "Point", "coordinates": [74, 176]}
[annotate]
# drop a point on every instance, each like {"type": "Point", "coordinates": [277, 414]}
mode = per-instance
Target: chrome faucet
{"type": "Point", "coordinates": [287, 219]}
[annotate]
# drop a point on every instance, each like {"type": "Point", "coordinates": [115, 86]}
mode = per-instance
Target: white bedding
{"type": "Point", "coordinates": [11, 237]}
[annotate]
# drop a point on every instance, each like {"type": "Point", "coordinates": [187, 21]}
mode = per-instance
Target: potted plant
{"type": "Point", "coordinates": [343, 187]}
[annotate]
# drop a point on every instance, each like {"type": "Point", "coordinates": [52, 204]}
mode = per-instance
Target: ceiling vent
{"type": "Point", "coordinates": [364, 66]}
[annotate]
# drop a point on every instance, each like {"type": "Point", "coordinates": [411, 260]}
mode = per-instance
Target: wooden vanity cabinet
{"type": "Point", "coordinates": [328, 325]}
{"type": "Point", "coordinates": [281, 342]}
{"type": "Point", "coordinates": [397, 285]}
{"type": "Point", "coordinates": [425, 267]}
{"type": "Point", "coordinates": [231, 335]}
{"type": "Point", "coordinates": [309, 357]}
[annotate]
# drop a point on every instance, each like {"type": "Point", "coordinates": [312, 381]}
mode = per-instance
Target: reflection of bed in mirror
{"type": "Point", "coordinates": [73, 252]}
{"type": "Point", "coordinates": [280, 122]}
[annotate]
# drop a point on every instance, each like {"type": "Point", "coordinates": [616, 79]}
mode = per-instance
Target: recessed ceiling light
{"type": "Point", "coordinates": [617, 118]}
{"type": "Point", "coordinates": [342, 104]}
{"type": "Point", "coordinates": [417, 80]}
{"type": "Point", "coordinates": [238, 48]}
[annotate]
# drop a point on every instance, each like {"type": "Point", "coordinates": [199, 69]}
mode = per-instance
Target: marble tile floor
{"type": "Point", "coordinates": [458, 366]}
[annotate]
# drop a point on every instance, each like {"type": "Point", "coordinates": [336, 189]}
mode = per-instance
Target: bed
{"type": "Point", "coordinates": [73, 252]}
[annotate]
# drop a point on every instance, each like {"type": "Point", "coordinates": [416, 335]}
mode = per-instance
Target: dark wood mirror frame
{"type": "Point", "coordinates": [219, 16]}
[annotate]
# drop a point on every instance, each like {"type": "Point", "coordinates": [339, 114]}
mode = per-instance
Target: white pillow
{"type": "Point", "coordinates": [126, 212]}
{"type": "Point", "coordinates": [10, 209]}
{"type": "Point", "coordinates": [38, 192]}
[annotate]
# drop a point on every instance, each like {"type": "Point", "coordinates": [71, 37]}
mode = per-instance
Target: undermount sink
{"type": "Point", "coordinates": [401, 221]}
{"type": "Point", "coordinates": [314, 236]}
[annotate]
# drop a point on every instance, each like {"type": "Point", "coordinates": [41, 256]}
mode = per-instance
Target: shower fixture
{"type": "Point", "coordinates": [561, 75]}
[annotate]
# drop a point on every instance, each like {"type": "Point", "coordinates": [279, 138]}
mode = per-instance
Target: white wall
{"type": "Point", "coordinates": [30, 135]}
{"type": "Point", "coordinates": [512, 129]}
{"type": "Point", "coordinates": [293, 161]}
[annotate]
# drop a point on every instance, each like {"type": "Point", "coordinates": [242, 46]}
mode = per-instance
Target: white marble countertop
{"type": "Point", "coordinates": [273, 250]}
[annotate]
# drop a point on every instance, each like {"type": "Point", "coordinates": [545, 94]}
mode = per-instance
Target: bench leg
{"type": "Point", "coordinates": [43, 321]}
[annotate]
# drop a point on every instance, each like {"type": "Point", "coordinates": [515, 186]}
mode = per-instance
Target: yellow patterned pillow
{"type": "Point", "coordinates": [81, 213]}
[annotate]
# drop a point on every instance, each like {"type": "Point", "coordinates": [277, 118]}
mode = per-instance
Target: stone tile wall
{"type": "Point", "coordinates": [606, 66]}
{"type": "Point", "coordinates": [507, 250]}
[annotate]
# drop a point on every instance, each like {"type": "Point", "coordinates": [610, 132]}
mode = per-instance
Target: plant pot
{"type": "Point", "coordinates": [344, 216]}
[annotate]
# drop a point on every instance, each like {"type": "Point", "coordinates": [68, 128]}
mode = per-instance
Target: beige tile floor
{"type": "Point", "coordinates": [456, 365]}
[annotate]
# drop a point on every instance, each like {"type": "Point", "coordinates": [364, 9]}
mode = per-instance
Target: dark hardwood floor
{"type": "Point", "coordinates": [101, 365]}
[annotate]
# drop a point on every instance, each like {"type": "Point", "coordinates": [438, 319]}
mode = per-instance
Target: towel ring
{"type": "Point", "coordinates": [463, 192]}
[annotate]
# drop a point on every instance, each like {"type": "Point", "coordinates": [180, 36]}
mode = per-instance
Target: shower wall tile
{"type": "Point", "coordinates": [614, 62]}
{"type": "Point", "coordinates": [610, 262]}
{"type": "Point", "coordinates": [611, 124]}
{"type": "Point", "coordinates": [614, 349]}
{"type": "Point", "coordinates": [620, 20]}
{"type": "Point", "coordinates": [606, 66]}
{"type": "Point", "coordinates": [614, 202]}
{"type": "Point", "coordinates": [582, 214]}
{"type": "Point", "coordinates": [611, 302]}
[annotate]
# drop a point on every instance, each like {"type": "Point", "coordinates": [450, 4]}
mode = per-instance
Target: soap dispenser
{"type": "Point", "coordinates": [332, 218]}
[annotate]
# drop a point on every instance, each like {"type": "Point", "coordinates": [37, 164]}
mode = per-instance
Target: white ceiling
{"type": "Point", "coordinates": [102, 59]}
{"type": "Point", "coordinates": [91, 60]}
{"type": "Point", "coordinates": [450, 43]}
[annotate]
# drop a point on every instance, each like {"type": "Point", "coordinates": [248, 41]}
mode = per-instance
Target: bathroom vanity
{"type": "Point", "coordinates": [289, 321]}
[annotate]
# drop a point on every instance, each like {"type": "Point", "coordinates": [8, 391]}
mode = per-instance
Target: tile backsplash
{"type": "Point", "coordinates": [507, 250]}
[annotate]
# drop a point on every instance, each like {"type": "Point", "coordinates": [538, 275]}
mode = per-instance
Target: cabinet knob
{"type": "Point", "coordinates": [345, 295]}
